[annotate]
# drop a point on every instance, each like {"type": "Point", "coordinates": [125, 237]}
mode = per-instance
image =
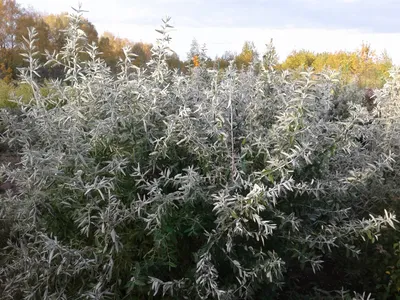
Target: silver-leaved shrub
{"type": "Point", "coordinates": [153, 184]}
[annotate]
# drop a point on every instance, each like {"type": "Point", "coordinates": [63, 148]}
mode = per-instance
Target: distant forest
{"type": "Point", "coordinates": [364, 66]}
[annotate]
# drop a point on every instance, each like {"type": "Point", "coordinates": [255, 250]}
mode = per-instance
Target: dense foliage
{"type": "Point", "coordinates": [250, 184]}
{"type": "Point", "coordinates": [363, 66]}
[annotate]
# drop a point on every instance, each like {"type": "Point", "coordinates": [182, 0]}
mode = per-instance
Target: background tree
{"type": "Point", "coordinates": [10, 12]}
{"type": "Point", "coordinates": [5, 73]}
{"type": "Point", "coordinates": [248, 55]}
{"type": "Point", "coordinates": [57, 23]}
{"type": "Point", "coordinates": [143, 52]}
{"type": "Point", "coordinates": [222, 62]}
{"type": "Point", "coordinates": [175, 63]}
{"type": "Point", "coordinates": [362, 67]}
{"type": "Point", "coordinates": [106, 50]}
{"type": "Point", "coordinates": [299, 59]}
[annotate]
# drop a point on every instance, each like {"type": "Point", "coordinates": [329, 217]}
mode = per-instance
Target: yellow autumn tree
{"type": "Point", "coordinates": [247, 56]}
{"type": "Point", "coordinates": [59, 22]}
{"type": "Point", "coordinates": [363, 66]}
{"type": "Point", "coordinates": [299, 59]}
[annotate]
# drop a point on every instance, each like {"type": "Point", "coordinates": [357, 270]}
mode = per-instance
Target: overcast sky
{"type": "Point", "coordinates": [316, 25]}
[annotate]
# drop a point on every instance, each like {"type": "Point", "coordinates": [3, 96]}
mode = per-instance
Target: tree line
{"type": "Point", "coordinates": [363, 66]}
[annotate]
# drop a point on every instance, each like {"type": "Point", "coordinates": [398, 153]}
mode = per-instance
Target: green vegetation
{"type": "Point", "coordinates": [5, 91]}
{"type": "Point", "coordinates": [249, 182]}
